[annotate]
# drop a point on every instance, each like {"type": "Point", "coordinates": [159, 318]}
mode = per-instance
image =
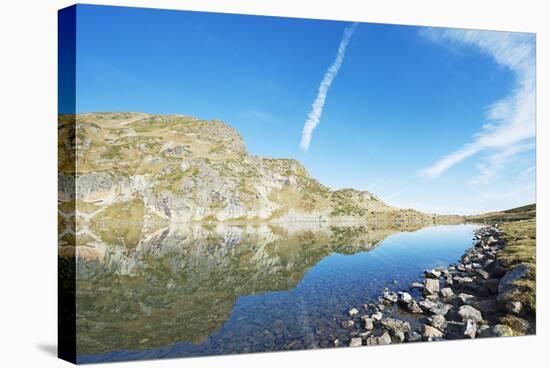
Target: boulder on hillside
{"type": "Point", "coordinates": [506, 286]}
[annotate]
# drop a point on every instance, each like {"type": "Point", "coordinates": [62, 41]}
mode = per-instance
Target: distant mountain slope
{"type": "Point", "coordinates": [151, 168]}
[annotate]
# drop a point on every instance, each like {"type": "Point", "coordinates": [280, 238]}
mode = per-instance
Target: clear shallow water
{"type": "Point", "coordinates": [304, 312]}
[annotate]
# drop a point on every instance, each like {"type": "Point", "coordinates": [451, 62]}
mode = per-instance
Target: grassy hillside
{"type": "Point", "coordinates": [515, 214]}
{"type": "Point", "coordinates": [518, 227]}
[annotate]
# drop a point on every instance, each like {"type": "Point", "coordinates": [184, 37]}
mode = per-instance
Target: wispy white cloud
{"type": "Point", "coordinates": [317, 108]}
{"type": "Point", "coordinates": [510, 121]}
{"type": "Point", "coordinates": [261, 115]}
{"type": "Point", "coordinates": [490, 168]}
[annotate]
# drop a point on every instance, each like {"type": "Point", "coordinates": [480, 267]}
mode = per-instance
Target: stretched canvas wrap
{"type": "Point", "coordinates": [236, 184]}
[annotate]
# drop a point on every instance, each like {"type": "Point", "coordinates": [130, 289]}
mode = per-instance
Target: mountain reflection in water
{"type": "Point", "coordinates": [198, 290]}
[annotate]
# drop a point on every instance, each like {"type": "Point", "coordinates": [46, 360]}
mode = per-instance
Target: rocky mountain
{"type": "Point", "coordinates": [158, 169]}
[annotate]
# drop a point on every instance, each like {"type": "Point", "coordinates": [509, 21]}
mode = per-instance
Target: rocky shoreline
{"type": "Point", "coordinates": [467, 299]}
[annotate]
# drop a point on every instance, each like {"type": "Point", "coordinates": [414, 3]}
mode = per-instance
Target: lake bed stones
{"type": "Point", "coordinates": [395, 324]}
{"type": "Point", "coordinates": [348, 324]}
{"type": "Point", "coordinates": [384, 339]}
{"type": "Point", "coordinates": [368, 322]}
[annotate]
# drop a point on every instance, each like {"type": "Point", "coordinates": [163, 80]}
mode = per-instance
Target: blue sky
{"type": "Point", "coordinates": [434, 119]}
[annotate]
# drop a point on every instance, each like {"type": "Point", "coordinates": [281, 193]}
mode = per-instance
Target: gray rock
{"type": "Point", "coordinates": [496, 331]}
{"type": "Point", "coordinates": [431, 307]}
{"type": "Point", "coordinates": [431, 286]}
{"type": "Point", "coordinates": [432, 297]}
{"type": "Point", "coordinates": [470, 329]}
{"type": "Point", "coordinates": [417, 285]}
{"type": "Point", "coordinates": [413, 336]}
{"type": "Point", "coordinates": [377, 316]}
{"type": "Point", "coordinates": [390, 296]}
{"type": "Point", "coordinates": [432, 274]}
{"type": "Point", "coordinates": [517, 273]}
{"type": "Point", "coordinates": [384, 339]}
{"type": "Point", "coordinates": [393, 324]}
{"type": "Point", "coordinates": [429, 332]}
{"type": "Point", "coordinates": [398, 336]}
{"type": "Point", "coordinates": [514, 307]}
{"type": "Point", "coordinates": [506, 285]}
{"type": "Point", "coordinates": [437, 321]}
{"type": "Point", "coordinates": [413, 307]}
{"type": "Point", "coordinates": [356, 341]}
{"type": "Point", "coordinates": [404, 297]}
{"type": "Point", "coordinates": [446, 292]}
{"type": "Point", "coordinates": [492, 285]}
{"type": "Point", "coordinates": [490, 266]}
{"type": "Point", "coordinates": [352, 312]}
{"type": "Point", "coordinates": [348, 324]}
{"type": "Point", "coordinates": [482, 328]}
{"type": "Point", "coordinates": [463, 280]}
{"type": "Point", "coordinates": [487, 306]}
{"type": "Point", "coordinates": [368, 322]}
{"type": "Point", "coordinates": [337, 343]}
{"type": "Point", "coordinates": [467, 312]}
{"type": "Point", "coordinates": [495, 269]}
{"type": "Point", "coordinates": [484, 274]}
{"type": "Point", "coordinates": [365, 334]}
{"type": "Point", "coordinates": [465, 298]}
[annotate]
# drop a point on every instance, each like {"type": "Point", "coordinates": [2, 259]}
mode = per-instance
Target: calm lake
{"type": "Point", "coordinates": [237, 289]}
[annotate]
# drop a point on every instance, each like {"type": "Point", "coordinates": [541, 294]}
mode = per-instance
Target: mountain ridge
{"type": "Point", "coordinates": [177, 168]}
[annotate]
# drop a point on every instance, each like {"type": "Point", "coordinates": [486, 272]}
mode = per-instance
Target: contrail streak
{"type": "Point", "coordinates": [317, 108]}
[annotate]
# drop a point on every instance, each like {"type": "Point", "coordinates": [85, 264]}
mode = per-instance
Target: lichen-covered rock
{"type": "Point", "coordinates": [506, 286]}
{"type": "Point", "coordinates": [496, 331]}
